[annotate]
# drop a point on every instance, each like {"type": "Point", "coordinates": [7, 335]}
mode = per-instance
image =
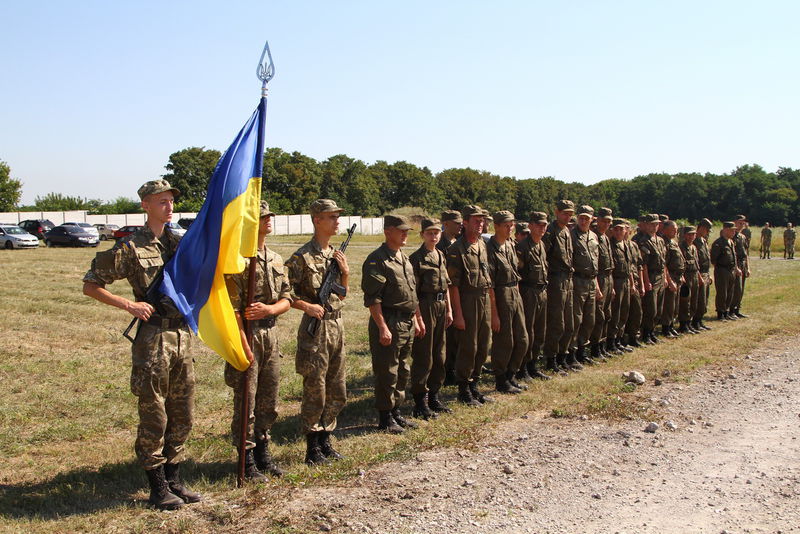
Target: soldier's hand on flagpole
{"type": "Point", "coordinates": [258, 310]}
{"type": "Point", "coordinates": [341, 259]}
{"type": "Point", "coordinates": [141, 310]}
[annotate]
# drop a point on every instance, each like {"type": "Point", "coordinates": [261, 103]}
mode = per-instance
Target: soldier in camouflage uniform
{"type": "Point", "coordinates": [319, 359]}
{"type": "Point", "coordinates": [162, 375]}
{"type": "Point", "coordinates": [691, 286]}
{"type": "Point", "coordinates": [532, 267]}
{"type": "Point", "coordinates": [521, 232]}
{"type": "Point", "coordinates": [675, 269]}
{"type": "Point", "coordinates": [390, 293]}
{"type": "Point", "coordinates": [586, 289]}
{"type": "Point", "coordinates": [704, 268]}
{"type": "Point", "coordinates": [272, 298]}
{"type": "Point", "coordinates": [653, 254]}
{"type": "Point", "coordinates": [451, 228]}
{"type": "Point", "coordinates": [558, 247]}
{"type": "Point", "coordinates": [622, 278]}
{"type": "Point", "coordinates": [742, 244]}
{"type": "Point", "coordinates": [723, 257]}
{"type": "Point", "coordinates": [766, 242]}
{"type": "Point", "coordinates": [605, 265]}
{"type": "Point", "coordinates": [637, 290]}
{"type": "Point", "coordinates": [789, 235]}
{"type": "Point", "coordinates": [509, 335]}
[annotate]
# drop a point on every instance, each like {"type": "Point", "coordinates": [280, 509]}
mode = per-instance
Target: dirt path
{"type": "Point", "coordinates": [732, 465]}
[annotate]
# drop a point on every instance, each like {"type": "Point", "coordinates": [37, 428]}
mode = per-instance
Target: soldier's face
{"type": "Point", "coordinates": [504, 229]}
{"type": "Point", "coordinates": [431, 237]}
{"type": "Point", "coordinates": [739, 225]}
{"type": "Point", "coordinates": [158, 207]}
{"type": "Point", "coordinates": [603, 224]}
{"type": "Point", "coordinates": [537, 229]}
{"type": "Point", "coordinates": [584, 221]}
{"type": "Point", "coordinates": [702, 231]}
{"type": "Point", "coordinates": [474, 225]}
{"type": "Point", "coordinates": [395, 237]}
{"type": "Point", "coordinates": [453, 228]}
{"type": "Point", "coordinates": [618, 232]}
{"type": "Point", "coordinates": [689, 238]}
{"type": "Point", "coordinates": [669, 231]}
{"type": "Point", "coordinates": [327, 223]}
{"type": "Point", "coordinates": [265, 225]}
{"type": "Point", "coordinates": [563, 216]}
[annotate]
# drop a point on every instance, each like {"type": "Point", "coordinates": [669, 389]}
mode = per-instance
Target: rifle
{"type": "Point", "coordinates": [329, 285]}
{"type": "Point", "coordinates": [151, 297]}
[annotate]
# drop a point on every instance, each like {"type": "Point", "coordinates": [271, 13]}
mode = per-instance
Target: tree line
{"type": "Point", "coordinates": [293, 180]}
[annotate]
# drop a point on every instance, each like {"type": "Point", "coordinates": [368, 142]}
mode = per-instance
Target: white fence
{"type": "Point", "coordinates": [282, 224]}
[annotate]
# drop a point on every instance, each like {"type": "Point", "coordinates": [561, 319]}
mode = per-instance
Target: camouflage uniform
{"type": "Point", "coordinates": [451, 335]}
{"type": "Point", "coordinates": [585, 259]}
{"type": "Point", "coordinates": [690, 294]}
{"type": "Point", "coordinates": [653, 255]}
{"type": "Point", "coordinates": [635, 310]}
{"type": "Point", "coordinates": [704, 267]}
{"type": "Point", "coordinates": [789, 236]}
{"type": "Point", "coordinates": [675, 267]}
{"type": "Point", "coordinates": [264, 373]}
{"type": "Point", "coordinates": [162, 374]}
{"type": "Point", "coordinates": [532, 263]}
{"type": "Point", "coordinates": [319, 359]}
{"type": "Point", "coordinates": [723, 257]}
{"type": "Point", "coordinates": [558, 246]}
{"type": "Point", "coordinates": [605, 266]}
{"type": "Point", "coordinates": [743, 263]}
{"type": "Point", "coordinates": [766, 242]}
{"type": "Point", "coordinates": [621, 275]}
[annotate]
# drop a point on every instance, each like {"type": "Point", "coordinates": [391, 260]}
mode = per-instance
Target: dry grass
{"type": "Point", "coordinates": [67, 419]}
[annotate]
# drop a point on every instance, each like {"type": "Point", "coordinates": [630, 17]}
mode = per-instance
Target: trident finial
{"type": "Point", "coordinates": [265, 70]}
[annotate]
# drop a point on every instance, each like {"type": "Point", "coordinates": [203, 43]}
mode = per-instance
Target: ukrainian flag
{"type": "Point", "coordinates": [223, 234]}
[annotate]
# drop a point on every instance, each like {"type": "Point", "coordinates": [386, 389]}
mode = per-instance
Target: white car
{"type": "Point", "coordinates": [177, 229]}
{"type": "Point", "coordinates": [86, 227]}
{"type": "Point", "coordinates": [12, 236]}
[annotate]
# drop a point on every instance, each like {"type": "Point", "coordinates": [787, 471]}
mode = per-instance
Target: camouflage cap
{"type": "Point", "coordinates": [153, 187]}
{"type": "Point", "coordinates": [586, 210]}
{"type": "Point", "coordinates": [688, 230]}
{"type": "Point", "coordinates": [728, 224]}
{"type": "Point", "coordinates": [619, 222]}
{"type": "Point", "coordinates": [471, 210]}
{"type": "Point", "coordinates": [644, 217]}
{"type": "Point", "coordinates": [538, 217]}
{"type": "Point", "coordinates": [396, 221]}
{"type": "Point", "coordinates": [522, 228]}
{"type": "Point", "coordinates": [705, 223]}
{"type": "Point", "coordinates": [431, 224]}
{"type": "Point", "coordinates": [264, 210]}
{"type": "Point", "coordinates": [565, 205]}
{"type": "Point", "coordinates": [740, 217]}
{"type": "Point", "coordinates": [605, 213]}
{"type": "Point", "coordinates": [487, 214]}
{"type": "Point", "coordinates": [663, 217]}
{"type": "Point", "coordinates": [324, 205]}
{"type": "Point", "coordinates": [503, 216]}
{"type": "Point", "coordinates": [652, 218]}
{"type": "Point", "coordinates": [452, 215]}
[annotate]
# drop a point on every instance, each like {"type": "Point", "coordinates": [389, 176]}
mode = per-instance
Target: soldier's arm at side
{"type": "Point", "coordinates": [458, 316]}
{"type": "Point", "coordinates": [495, 315]}
{"type": "Point", "coordinates": [385, 334]}
{"type": "Point", "coordinates": [245, 345]}
{"type": "Point", "coordinates": [140, 310]}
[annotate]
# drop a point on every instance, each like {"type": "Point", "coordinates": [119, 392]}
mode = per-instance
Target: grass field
{"type": "Point", "coordinates": [67, 418]}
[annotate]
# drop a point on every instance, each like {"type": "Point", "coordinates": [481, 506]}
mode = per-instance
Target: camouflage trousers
{"type": "Point", "coordinates": [510, 344]}
{"type": "Point", "coordinates": [724, 281]}
{"type": "Point", "coordinates": [602, 310]}
{"type": "Point", "coordinates": [162, 377]}
{"type": "Point", "coordinates": [703, 293]}
{"type": "Point", "coordinates": [262, 388]}
{"type": "Point", "coordinates": [738, 288]}
{"type": "Point", "coordinates": [534, 300]}
{"type": "Point", "coordinates": [631, 327]}
{"type": "Point", "coordinates": [428, 352]}
{"type": "Point", "coordinates": [559, 314]}
{"type": "Point", "coordinates": [390, 364]}
{"type": "Point", "coordinates": [689, 297]}
{"type": "Point", "coordinates": [652, 304]}
{"type": "Point", "coordinates": [583, 310]}
{"type": "Point", "coordinates": [671, 299]}
{"type": "Point", "coordinates": [620, 306]}
{"type": "Point", "coordinates": [320, 361]}
{"type": "Point", "coordinates": [473, 341]}
{"type": "Point", "coordinates": [788, 250]}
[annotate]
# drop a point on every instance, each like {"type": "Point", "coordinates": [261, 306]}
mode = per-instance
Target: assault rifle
{"type": "Point", "coordinates": [329, 285]}
{"type": "Point", "coordinates": [151, 296]}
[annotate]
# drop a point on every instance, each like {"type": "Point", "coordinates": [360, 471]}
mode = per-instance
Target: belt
{"type": "Point", "coordinates": [507, 284]}
{"type": "Point", "coordinates": [332, 315]}
{"type": "Point", "coordinates": [437, 296]}
{"type": "Point", "coordinates": [166, 323]}
{"type": "Point", "coordinates": [266, 322]}
{"type": "Point", "coordinates": [584, 276]}
{"type": "Point", "coordinates": [394, 312]}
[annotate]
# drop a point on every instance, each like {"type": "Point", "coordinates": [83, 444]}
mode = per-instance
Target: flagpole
{"type": "Point", "coordinates": [265, 72]}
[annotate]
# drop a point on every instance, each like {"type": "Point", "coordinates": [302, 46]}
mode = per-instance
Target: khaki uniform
{"type": "Point", "coordinates": [740, 243]}
{"type": "Point", "coordinates": [766, 242]}
{"type": "Point", "coordinates": [689, 294]}
{"type": "Point", "coordinates": [635, 309]}
{"type": "Point", "coordinates": [621, 278]}
{"type": "Point", "coordinates": [789, 235]}
{"type": "Point", "coordinates": [451, 333]}
{"type": "Point", "coordinates": [264, 373]}
{"type": "Point", "coordinates": [428, 352]}
{"type": "Point", "coordinates": [532, 267]}
{"type": "Point", "coordinates": [586, 253]}
{"type": "Point", "coordinates": [653, 254]}
{"type": "Point", "coordinates": [468, 269]}
{"type": "Point", "coordinates": [162, 374]}
{"type": "Point", "coordinates": [602, 312]}
{"type": "Point", "coordinates": [675, 267]}
{"type": "Point", "coordinates": [558, 246]}
{"type": "Point", "coordinates": [388, 279]}
{"type": "Point", "coordinates": [704, 267]}
{"type": "Point", "coordinates": [319, 359]}
{"type": "Point", "coordinates": [510, 344]}
{"type": "Point", "coordinates": [723, 257]}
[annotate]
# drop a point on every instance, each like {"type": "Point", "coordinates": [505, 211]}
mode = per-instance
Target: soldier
{"type": "Point", "coordinates": [654, 276]}
{"type": "Point", "coordinates": [509, 335]}
{"type": "Point", "coordinates": [675, 268]}
{"type": "Point", "coordinates": [637, 290]}
{"type": "Point", "coordinates": [766, 242]}
{"type": "Point", "coordinates": [451, 228]}
{"type": "Point", "coordinates": [558, 247]}
{"type": "Point", "coordinates": [605, 266]}
{"type": "Point", "coordinates": [390, 293]}
{"type": "Point", "coordinates": [586, 288]}
{"type": "Point", "coordinates": [521, 232]}
{"type": "Point", "coordinates": [272, 298]}
{"type": "Point", "coordinates": [162, 374]}
{"type": "Point", "coordinates": [691, 285]}
{"type": "Point", "coordinates": [319, 358]}
{"type": "Point", "coordinates": [789, 236]}
{"type": "Point", "coordinates": [468, 268]}
{"type": "Point", "coordinates": [622, 278]}
{"type": "Point", "coordinates": [704, 270]}
{"type": "Point", "coordinates": [741, 243]}
{"type": "Point", "coordinates": [723, 257]}
{"type": "Point", "coordinates": [532, 265]}
{"type": "Point", "coordinates": [434, 315]}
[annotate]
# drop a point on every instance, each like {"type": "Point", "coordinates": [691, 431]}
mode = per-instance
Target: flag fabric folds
{"type": "Point", "coordinates": [223, 234]}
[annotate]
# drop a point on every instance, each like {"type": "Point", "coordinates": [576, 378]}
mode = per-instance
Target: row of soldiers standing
{"type": "Point", "coordinates": [789, 236]}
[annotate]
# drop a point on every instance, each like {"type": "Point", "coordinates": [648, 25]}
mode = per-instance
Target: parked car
{"type": "Point", "coordinates": [106, 230]}
{"type": "Point", "coordinates": [70, 235]}
{"type": "Point", "coordinates": [88, 228]}
{"type": "Point", "coordinates": [185, 223]}
{"type": "Point", "coordinates": [125, 231]}
{"type": "Point", "coordinates": [176, 229]}
{"type": "Point", "coordinates": [12, 236]}
{"type": "Point", "coordinates": [36, 227]}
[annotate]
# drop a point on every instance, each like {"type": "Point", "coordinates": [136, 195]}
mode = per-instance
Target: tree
{"type": "Point", "coordinates": [190, 171]}
{"type": "Point", "coordinates": [414, 186]}
{"type": "Point", "coordinates": [292, 181]}
{"type": "Point", "coordinates": [59, 202]}
{"type": "Point", "coordinates": [10, 189]}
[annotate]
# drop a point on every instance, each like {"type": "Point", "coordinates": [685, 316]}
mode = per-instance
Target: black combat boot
{"type": "Point", "coordinates": [572, 362]}
{"type": "Point", "coordinates": [683, 328]}
{"type": "Point", "coordinates": [595, 354]}
{"type": "Point", "coordinates": [666, 332]}
{"type": "Point", "coordinates": [264, 460]}
{"type": "Point", "coordinates": [251, 471]}
{"type": "Point", "coordinates": [160, 495]}
{"type": "Point", "coordinates": [533, 370]}
{"type": "Point", "coordinates": [731, 315]}
{"type": "Point", "coordinates": [465, 395]}
{"type": "Point", "coordinates": [722, 316]}
{"type": "Point", "coordinates": [692, 327]}
{"type": "Point", "coordinates": [402, 421]}
{"type": "Point", "coordinates": [450, 377]}
{"type": "Point", "coordinates": [551, 364]}
{"type": "Point", "coordinates": [314, 454]}
{"type": "Point", "coordinates": [619, 342]}
{"type": "Point", "coordinates": [502, 385]}
{"type": "Point", "coordinates": [421, 409]}
{"type": "Point", "coordinates": [611, 347]}
{"type": "Point", "coordinates": [582, 357]}
{"type": "Point", "coordinates": [513, 381]}
{"type": "Point", "coordinates": [739, 314]}
{"type": "Point", "coordinates": [703, 325]}
{"type": "Point", "coordinates": [435, 404]}
{"type": "Point", "coordinates": [483, 399]}
{"type": "Point", "coordinates": [326, 448]}
{"type": "Point", "coordinates": [387, 423]}
{"type": "Point", "coordinates": [561, 363]}
{"type": "Point", "coordinates": [646, 339]}
{"type": "Point", "coordinates": [172, 472]}
{"type": "Point", "coordinates": [523, 375]}
{"type": "Point", "coordinates": [633, 342]}
{"type": "Point", "coordinates": [674, 332]}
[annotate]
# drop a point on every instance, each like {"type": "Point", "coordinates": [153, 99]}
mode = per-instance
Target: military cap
{"type": "Point", "coordinates": [565, 205]}
{"type": "Point", "coordinates": [431, 224]}
{"type": "Point", "coordinates": [471, 210]}
{"type": "Point", "coordinates": [728, 224]}
{"type": "Point", "coordinates": [324, 205]}
{"type": "Point", "coordinates": [487, 214]}
{"type": "Point", "coordinates": [573, 220]}
{"type": "Point", "coordinates": [522, 228]}
{"type": "Point", "coordinates": [670, 223]}
{"type": "Point", "coordinates": [586, 210]}
{"type": "Point", "coordinates": [652, 218]}
{"type": "Point", "coordinates": [644, 217]}
{"type": "Point", "coordinates": [689, 230]}
{"type": "Point", "coordinates": [153, 187]}
{"type": "Point", "coordinates": [663, 217]}
{"type": "Point", "coordinates": [705, 222]}
{"type": "Point", "coordinates": [538, 217]}
{"type": "Point", "coordinates": [503, 216]}
{"type": "Point", "coordinates": [396, 221]}
{"type": "Point", "coordinates": [452, 215]}
{"type": "Point", "coordinates": [740, 218]}
{"type": "Point", "coordinates": [619, 222]}
{"type": "Point", "coordinates": [264, 210]}
{"type": "Point", "coordinates": [604, 213]}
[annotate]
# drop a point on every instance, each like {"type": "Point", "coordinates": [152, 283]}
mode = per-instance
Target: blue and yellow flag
{"type": "Point", "coordinates": [223, 234]}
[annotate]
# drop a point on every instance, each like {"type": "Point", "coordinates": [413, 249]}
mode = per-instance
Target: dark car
{"type": "Point", "coordinates": [125, 231]}
{"type": "Point", "coordinates": [37, 227]}
{"type": "Point", "coordinates": [185, 222]}
{"type": "Point", "coordinates": [70, 236]}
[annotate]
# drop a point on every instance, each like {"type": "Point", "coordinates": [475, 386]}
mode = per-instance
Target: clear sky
{"type": "Point", "coordinates": [96, 95]}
